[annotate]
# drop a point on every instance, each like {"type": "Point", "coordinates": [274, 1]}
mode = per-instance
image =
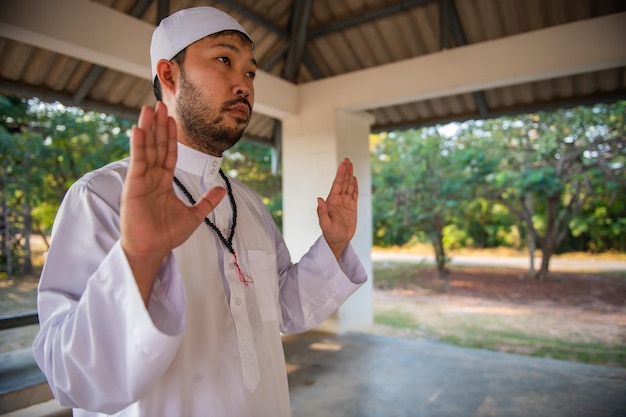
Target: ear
{"type": "Point", "coordinates": [168, 72]}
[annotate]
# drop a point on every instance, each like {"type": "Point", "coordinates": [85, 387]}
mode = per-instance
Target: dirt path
{"type": "Point", "coordinates": [499, 309]}
{"type": "Point", "coordinates": [538, 319]}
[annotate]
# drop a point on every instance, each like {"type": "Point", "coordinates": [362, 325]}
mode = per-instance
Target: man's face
{"type": "Point", "coordinates": [216, 92]}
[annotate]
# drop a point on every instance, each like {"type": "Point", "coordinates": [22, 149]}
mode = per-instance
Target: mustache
{"type": "Point", "coordinates": [239, 100]}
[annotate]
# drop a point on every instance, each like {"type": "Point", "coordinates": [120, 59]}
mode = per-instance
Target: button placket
{"type": "Point", "coordinates": [245, 342]}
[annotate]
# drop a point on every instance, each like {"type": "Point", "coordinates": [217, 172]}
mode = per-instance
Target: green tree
{"type": "Point", "coordinates": [14, 191]}
{"type": "Point", "coordinates": [251, 163]}
{"type": "Point", "coordinates": [552, 180]}
{"type": "Point", "coordinates": [421, 179]}
{"type": "Point", "coordinates": [553, 164]}
{"type": "Point", "coordinates": [45, 148]}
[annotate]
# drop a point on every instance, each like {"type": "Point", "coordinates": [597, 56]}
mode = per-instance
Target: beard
{"type": "Point", "coordinates": [203, 125]}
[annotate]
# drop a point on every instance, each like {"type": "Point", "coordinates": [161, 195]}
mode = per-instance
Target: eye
{"type": "Point", "coordinates": [224, 59]}
{"type": "Point", "coordinates": [251, 74]}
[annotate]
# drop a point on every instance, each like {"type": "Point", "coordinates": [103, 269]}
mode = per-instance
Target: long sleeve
{"type": "Point", "coordinates": [98, 346]}
{"type": "Point", "coordinates": [305, 293]}
{"type": "Point", "coordinates": [311, 290]}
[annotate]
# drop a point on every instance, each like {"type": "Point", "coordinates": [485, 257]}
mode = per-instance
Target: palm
{"type": "Point", "coordinates": [154, 220]}
{"type": "Point", "coordinates": [338, 213]}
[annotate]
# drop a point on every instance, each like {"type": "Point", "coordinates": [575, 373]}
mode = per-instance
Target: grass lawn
{"type": "Point", "coordinates": [518, 318]}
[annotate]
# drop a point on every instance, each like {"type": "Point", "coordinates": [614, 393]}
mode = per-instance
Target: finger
{"type": "Point", "coordinates": [146, 124]}
{"type": "Point", "coordinates": [146, 118]}
{"type": "Point", "coordinates": [208, 202]}
{"type": "Point", "coordinates": [322, 214]}
{"type": "Point", "coordinates": [137, 152]}
{"type": "Point", "coordinates": [161, 134]}
{"type": "Point", "coordinates": [355, 191]}
{"type": "Point", "coordinates": [339, 185]}
{"type": "Point", "coordinates": [347, 178]}
{"type": "Point", "coordinates": [352, 183]}
{"type": "Point", "coordinates": [172, 146]}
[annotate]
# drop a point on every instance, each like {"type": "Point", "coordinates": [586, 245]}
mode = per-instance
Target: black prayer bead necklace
{"type": "Point", "coordinates": [228, 243]}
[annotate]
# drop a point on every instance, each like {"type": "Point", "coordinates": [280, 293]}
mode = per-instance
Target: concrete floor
{"type": "Point", "coordinates": [361, 375]}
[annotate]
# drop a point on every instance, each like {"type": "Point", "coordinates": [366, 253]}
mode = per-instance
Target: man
{"type": "Point", "coordinates": [167, 284]}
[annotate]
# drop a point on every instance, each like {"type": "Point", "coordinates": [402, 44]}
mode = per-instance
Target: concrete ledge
{"type": "Point", "coordinates": [48, 409]}
{"type": "Point", "coordinates": [22, 384]}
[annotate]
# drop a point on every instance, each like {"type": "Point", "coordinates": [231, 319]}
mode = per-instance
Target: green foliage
{"type": "Point", "coordinates": [487, 224]}
{"type": "Point", "coordinates": [419, 184]}
{"type": "Point", "coordinates": [51, 146]}
{"type": "Point", "coordinates": [557, 177]}
{"type": "Point", "coordinates": [45, 148]}
{"type": "Point", "coordinates": [456, 238]}
{"type": "Point", "coordinates": [252, 164]}
{"type": "Point", "coordinates": [601, 224]}
{"type": "Point", "coordinates": [554, 167]}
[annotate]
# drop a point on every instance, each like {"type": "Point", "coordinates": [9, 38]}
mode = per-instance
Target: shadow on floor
{"type": "Point", "coordinates": [362, 375]}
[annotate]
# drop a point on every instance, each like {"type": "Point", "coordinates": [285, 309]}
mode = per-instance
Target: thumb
{"type": "Point", "coordinates": [209, 201]}
{"type": "Point", "coordinates": [321, 206]}
{"type": "Point", "coordinates": [322, 212]}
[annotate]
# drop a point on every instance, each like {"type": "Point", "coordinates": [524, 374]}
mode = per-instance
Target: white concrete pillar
{"type": "Point", "coordinates": [314, 143]}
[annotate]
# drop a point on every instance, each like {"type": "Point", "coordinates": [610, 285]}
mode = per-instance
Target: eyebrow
{"type": "Point", "coordinates": [234, 49]}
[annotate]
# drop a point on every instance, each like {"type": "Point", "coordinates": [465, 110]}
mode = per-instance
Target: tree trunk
{"type": "Point", "coordinates": [532, 245]}
{"type": "Point", "coordinates": [28, 221]}
{"type": "Point", "coordinates": [531, 253]}
{"type": "Point", "coordinates": [550, 240]}
{"type": "Point", "coordinates": [547, 250]}
{"type": "Point", "coordinates": [43, 237]}
{"type": "Point", "coordinates": [436, 238]}
{"type": "Point", "coordinates": [544, 270]}
{"type": "Point", "coordinates": [6, 239]}
{"type": "Point", "coordinates": [6, 235]}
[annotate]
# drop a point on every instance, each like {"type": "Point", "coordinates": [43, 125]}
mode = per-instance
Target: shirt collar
{"type": "Point", "coordinates": [197, 163]}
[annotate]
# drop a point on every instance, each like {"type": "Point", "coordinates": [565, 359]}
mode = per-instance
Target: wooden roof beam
{"type": "Point", "coordinates": [301, 12]}
{"type": "Point", "coordinates": [367, 17]}
{"type": "Point", "coordinates": [557, 51]}
{"type": "Point", "coordinates": [82, 30]}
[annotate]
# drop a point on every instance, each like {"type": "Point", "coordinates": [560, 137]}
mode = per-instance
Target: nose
{"type": "Point", "coordinates": [242, 86]}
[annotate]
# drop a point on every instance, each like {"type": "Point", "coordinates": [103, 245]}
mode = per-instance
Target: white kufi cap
{"type": "Point", "coordinates": [178, 31]}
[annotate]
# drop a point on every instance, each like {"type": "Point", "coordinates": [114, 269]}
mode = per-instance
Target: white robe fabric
{"type": "Point", "coordinates": [208, 345]}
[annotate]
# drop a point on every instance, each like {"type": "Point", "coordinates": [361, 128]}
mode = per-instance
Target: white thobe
{"type": "Point", "coordinates": [208, 345]}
